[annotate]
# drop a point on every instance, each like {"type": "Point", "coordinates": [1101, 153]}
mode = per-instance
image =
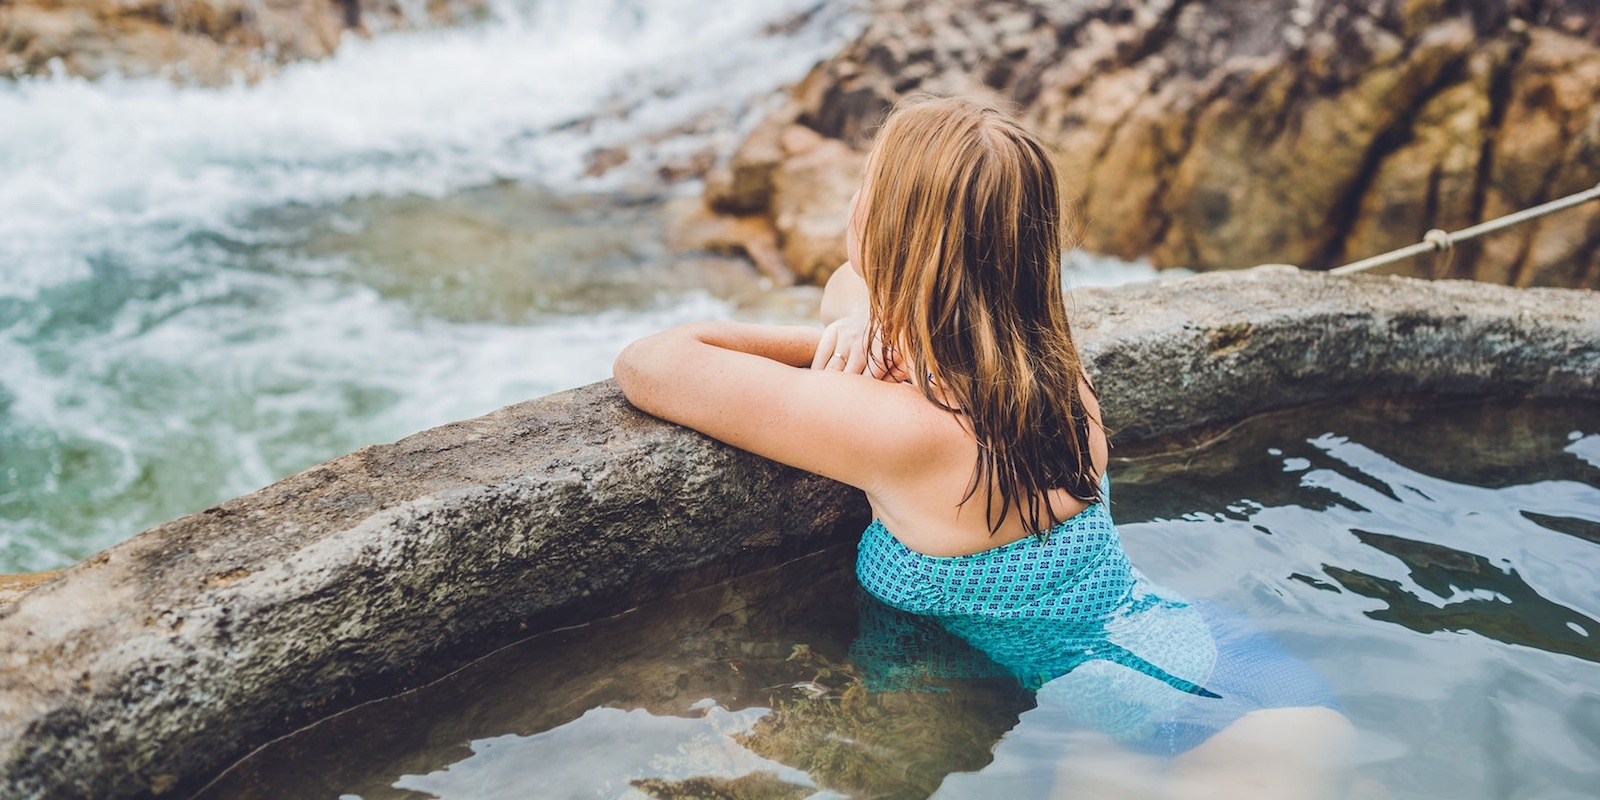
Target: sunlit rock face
{"type": "Point", "coordinates": [1224, 134]}
{"type": "Point", "coordinates": [198, 41]}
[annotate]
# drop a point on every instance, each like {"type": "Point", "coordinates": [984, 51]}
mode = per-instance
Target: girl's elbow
{"type": "Point", "coordinates": [631, 371]}
{"type": "Point", "coordinates": [643, 368]}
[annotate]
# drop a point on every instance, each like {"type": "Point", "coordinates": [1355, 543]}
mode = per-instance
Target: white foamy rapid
{"type": "Point", "coordinates": [84, 166]}
{"type": "Point", "coordinates": [1083, 270]}
{"type": "Point", "coordinates": [161, 349]}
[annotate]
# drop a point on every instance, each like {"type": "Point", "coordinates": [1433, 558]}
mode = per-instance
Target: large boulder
{"type": "Point", "coordinates": [1215, 134]}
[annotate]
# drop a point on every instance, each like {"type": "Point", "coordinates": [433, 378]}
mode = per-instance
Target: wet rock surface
{"type": "Point", "coordinates": [1218, 134]}
{"type": "Point", "coordinates": [146, 669]}
{"type": "Point", "coordinates": [197, 41]}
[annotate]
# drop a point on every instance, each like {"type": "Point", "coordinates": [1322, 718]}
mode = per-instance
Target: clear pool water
{"type": "Point", "coordinates": [1437, 562]}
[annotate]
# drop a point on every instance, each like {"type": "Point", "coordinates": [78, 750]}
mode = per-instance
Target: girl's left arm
{"type": "Point", "coordinates": [751, 387]}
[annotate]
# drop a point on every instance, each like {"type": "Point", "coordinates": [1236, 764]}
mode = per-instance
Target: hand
{"type": "Point", "coordinates": [844, 348]}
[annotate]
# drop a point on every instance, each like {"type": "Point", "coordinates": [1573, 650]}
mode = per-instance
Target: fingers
{"type": "Point", "coordinates": [865, 358]}
{"type": "Point", "coordinates": [878, 366]}
{"type": "Point", "coordinates": [856, 361]}
{"type": "Point", "coordinates": [843, 347]}
{"type": "Point", "coordinates": [825, 348]}
{"type": "Point", "coordinates": [836, 348]}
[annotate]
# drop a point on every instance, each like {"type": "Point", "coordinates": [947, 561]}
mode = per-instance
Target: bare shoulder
{"type": "Point", "coordinates": [919, 501]}
{"type": "Point", "coordinates": [911, 434]}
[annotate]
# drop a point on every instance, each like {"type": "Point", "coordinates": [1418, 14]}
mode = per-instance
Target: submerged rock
{"type": "Point", "coordinates": [889, 744]}
{"type": "Point", "coordinates": [757, 786]}
{"type": "Point", "coordinates": [200, 41]}
{"type": "Point", "coordinates": [1216, 134]}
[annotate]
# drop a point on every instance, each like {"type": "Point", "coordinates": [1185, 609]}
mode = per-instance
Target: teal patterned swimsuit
{"type": "Point", "coordinates": [1078, 572]}
{"type": "Point", "coordinates": [1070, 618]}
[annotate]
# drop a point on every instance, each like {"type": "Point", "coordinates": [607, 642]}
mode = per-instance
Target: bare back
{"type": "Point", "coordinates": [920, 503]}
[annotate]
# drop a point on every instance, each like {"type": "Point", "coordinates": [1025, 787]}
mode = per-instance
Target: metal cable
{"type": "Point", "coordinates": [1437, 241]}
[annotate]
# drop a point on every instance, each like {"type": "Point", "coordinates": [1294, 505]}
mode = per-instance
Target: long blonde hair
{"type": "Point", "coordinates": [961, 246]}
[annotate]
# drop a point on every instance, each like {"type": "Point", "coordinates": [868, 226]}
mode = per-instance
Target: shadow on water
{"type": "Point", "coordinates": [1497, 603]}
{"type": "Point", "coordinates": [1434, 560]}
{"type": "Point", "coordinates": [1571, 526]}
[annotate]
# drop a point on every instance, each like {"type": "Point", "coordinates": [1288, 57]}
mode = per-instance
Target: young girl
{"type": "Point", "coordinates": [947, 387]}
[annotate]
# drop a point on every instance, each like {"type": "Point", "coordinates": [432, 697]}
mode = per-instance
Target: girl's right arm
{"type": "Point", "coordinates": [844, 296]}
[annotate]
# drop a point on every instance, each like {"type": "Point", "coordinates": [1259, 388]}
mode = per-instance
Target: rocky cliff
{"type": "Point", "coordinates": [1229, 133]}
{"type": "Point", "coordinates": [199, 41]}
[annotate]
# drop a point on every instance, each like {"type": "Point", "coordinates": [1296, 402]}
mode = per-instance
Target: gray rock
{"type": "Point", "coordinates": [1175, 355]}
{"type": "Point", "coordinates": [150, 667]}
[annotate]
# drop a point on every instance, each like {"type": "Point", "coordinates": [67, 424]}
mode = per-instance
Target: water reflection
{"type": "Point", "coordinates": [767, 652]}
{"type": "Point", "coordinates": [1470, 593]}
{"type": "Point", "coordinates": [1448, 588]}
{"type": "Point", "coordinates": [607, 751]}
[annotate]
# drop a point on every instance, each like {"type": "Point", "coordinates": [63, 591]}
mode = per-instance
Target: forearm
{"type": "Point", "coordinates": [667, 374]}
{"type": "Point", "coordinates": [845, 295]}
{"type": "Point", "coordinates": [793, 345]}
